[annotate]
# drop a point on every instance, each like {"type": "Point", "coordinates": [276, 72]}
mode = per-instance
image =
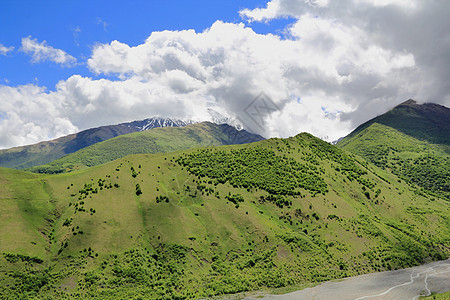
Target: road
{"type": "Point", "coordinates": [400, 284]}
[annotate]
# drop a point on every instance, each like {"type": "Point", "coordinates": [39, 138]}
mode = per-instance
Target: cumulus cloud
{"type": "Point", "coordinates": [392, 49]}
{"type": "Point", "coordinates": [29, 115]}
{"type": "Point", "coordinates": [5, 50]}
{"type": "Point", "coordinates": [325, 60]}
{"type": "Point", "coordinates": [41, 52]}
{"type": "Point", "coordinates": [338, 64]}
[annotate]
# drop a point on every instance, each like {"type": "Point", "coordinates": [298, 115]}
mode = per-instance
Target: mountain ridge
{"type": "Point", "coordinates": [156, 140]}
{"type": "Point", "coordinates": [44, 152]}
{"type": "Point", "coordinates": [427, 121]}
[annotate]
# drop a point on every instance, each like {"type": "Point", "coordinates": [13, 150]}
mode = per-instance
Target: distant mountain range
{"type": "Point", "coordinates": [155, 122]}
{"type": "Point", "coordinates": [44, 152]}
{"type": "Point", "coordinates": [157, 140]}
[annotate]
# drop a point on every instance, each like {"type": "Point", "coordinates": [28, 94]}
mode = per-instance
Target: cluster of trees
{"type": "Point", "coordinates": [255, 167]}
{"type": "Point", "coordinates": [235, 199]}
{"type": "Point", "coordinates": [138, 189]}
{"type": "Point", "coordinates": [12, 257]}
{"type": "Point", "coordinates": [278, 200]}
{"type": "Point", "coordinates": [162, 199]}
{"type": "Point", "coordinates": [133, 172]}
{"type": "Point", "coordinates": [88, 188]}
{"type": "Point", "coordinates": [49, 169]}
{"type": "Point", "coordinates": [346, 165]}
{"type": "Point", "coordinates": [429, 172]}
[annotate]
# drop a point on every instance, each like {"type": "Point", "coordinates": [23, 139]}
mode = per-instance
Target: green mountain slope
{"type": "Point", "coordinates": [44, 152]}
{"type": "Point", "coordinates": [212, 221]}
{"type": "Point", "coordinates": [156, 140]}
{"type": "Point", "coordinates": [406, 143]}
{"type": "Point", "coordinates": [427, 122]}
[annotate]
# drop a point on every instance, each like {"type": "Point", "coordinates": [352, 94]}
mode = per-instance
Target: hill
{"type": "Point", "coordinates": [44, 152]}
{"type": "Point", "coordinates": [156, 140]}
{"type": "Point", "coordinates": [411, 141]}
{"type": "Point", "coordinates": [212, 221]}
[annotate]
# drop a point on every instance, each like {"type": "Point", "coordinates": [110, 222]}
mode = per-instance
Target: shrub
{"type": "Point", "coordinates": [138, 189]}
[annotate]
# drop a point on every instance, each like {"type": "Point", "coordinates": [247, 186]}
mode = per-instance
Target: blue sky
{"type": "Point", "coordinates": [76, 26]}
{"type": "Point", "coordinates": [66, 66]}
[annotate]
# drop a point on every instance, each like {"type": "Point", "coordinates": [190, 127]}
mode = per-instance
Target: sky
{"type": "Point", "coordinates": [276, 67]}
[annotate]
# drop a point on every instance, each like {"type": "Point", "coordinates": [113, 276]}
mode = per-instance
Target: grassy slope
{"type": "Point", "coordinates": [45, 152]}
{"type": "Point", "coordinates": [102, 239]}
{"type": "Point", "coordinates": [416, 161]}
{"type": "Point", "coordinates": [156, 140]}
{"type": "Point", "coordinates": [32, 155]}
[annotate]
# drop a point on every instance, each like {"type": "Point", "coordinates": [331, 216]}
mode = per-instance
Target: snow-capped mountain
{"type": "Point", "coordinates": [155, 122]}
{"type": "Point", "coordinates": [220, 118]}
{"type": "Point", "coordinates": [46, 151]}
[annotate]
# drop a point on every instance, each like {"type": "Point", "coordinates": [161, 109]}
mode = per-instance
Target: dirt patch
{"type": "Point", "coordinates": [68, 284]}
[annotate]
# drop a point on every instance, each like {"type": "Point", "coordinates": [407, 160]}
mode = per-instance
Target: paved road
{"type": "Point", "coordinates": [400, 284]}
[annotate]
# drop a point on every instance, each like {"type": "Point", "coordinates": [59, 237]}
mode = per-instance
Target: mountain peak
{"type": "Point", "coordinates": [409, 102]}
{"type": "Point", "coordinates": [427, 122]}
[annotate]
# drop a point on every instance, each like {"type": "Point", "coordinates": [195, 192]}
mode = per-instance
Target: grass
{"type": "Point", "coordinates": [103, 240]}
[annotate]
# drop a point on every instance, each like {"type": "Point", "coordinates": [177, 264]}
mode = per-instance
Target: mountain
{"type": "Point", "coordinates": [163, 139]}
{"type": "Point", "coordinates": [412, 141]}
{"type": "Point", "coordinates": [426, 122]}
{"type": "Point", "coordinates": [212, 221]}
{"type": "Point", "coordinates": [44, 152]}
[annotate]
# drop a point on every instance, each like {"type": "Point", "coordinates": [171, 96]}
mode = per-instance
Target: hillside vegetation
{"type": "Point", "coordinates": [156, 140]}
{"type": "Point", "coordinates": [212, 221]}
{"type": "Point", "coordinates": [416, 150]}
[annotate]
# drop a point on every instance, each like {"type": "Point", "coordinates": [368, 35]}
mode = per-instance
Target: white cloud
{"type": "Point", "coordinates": [342, 63]}
{"type": "Point", "coordinates": [5, 50]}
{"type": "Point", "coordinates": [29, 115]}
{"type": "Point", "coordinates": [388, 50]}
{"type": "Point", "coordinates": [272, 11]}
{"type": "Point", "coordinates": [41, 52]}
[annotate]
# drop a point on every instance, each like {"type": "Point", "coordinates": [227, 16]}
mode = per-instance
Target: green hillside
{"type": "Point", "coordinates": [157, 140]}
{"type": "Point", "coordinates": [44, 152]}
{"type": "Point", "coordinates": [211, 221]}
{"type": "Point", "coordinates": [423, 161]}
